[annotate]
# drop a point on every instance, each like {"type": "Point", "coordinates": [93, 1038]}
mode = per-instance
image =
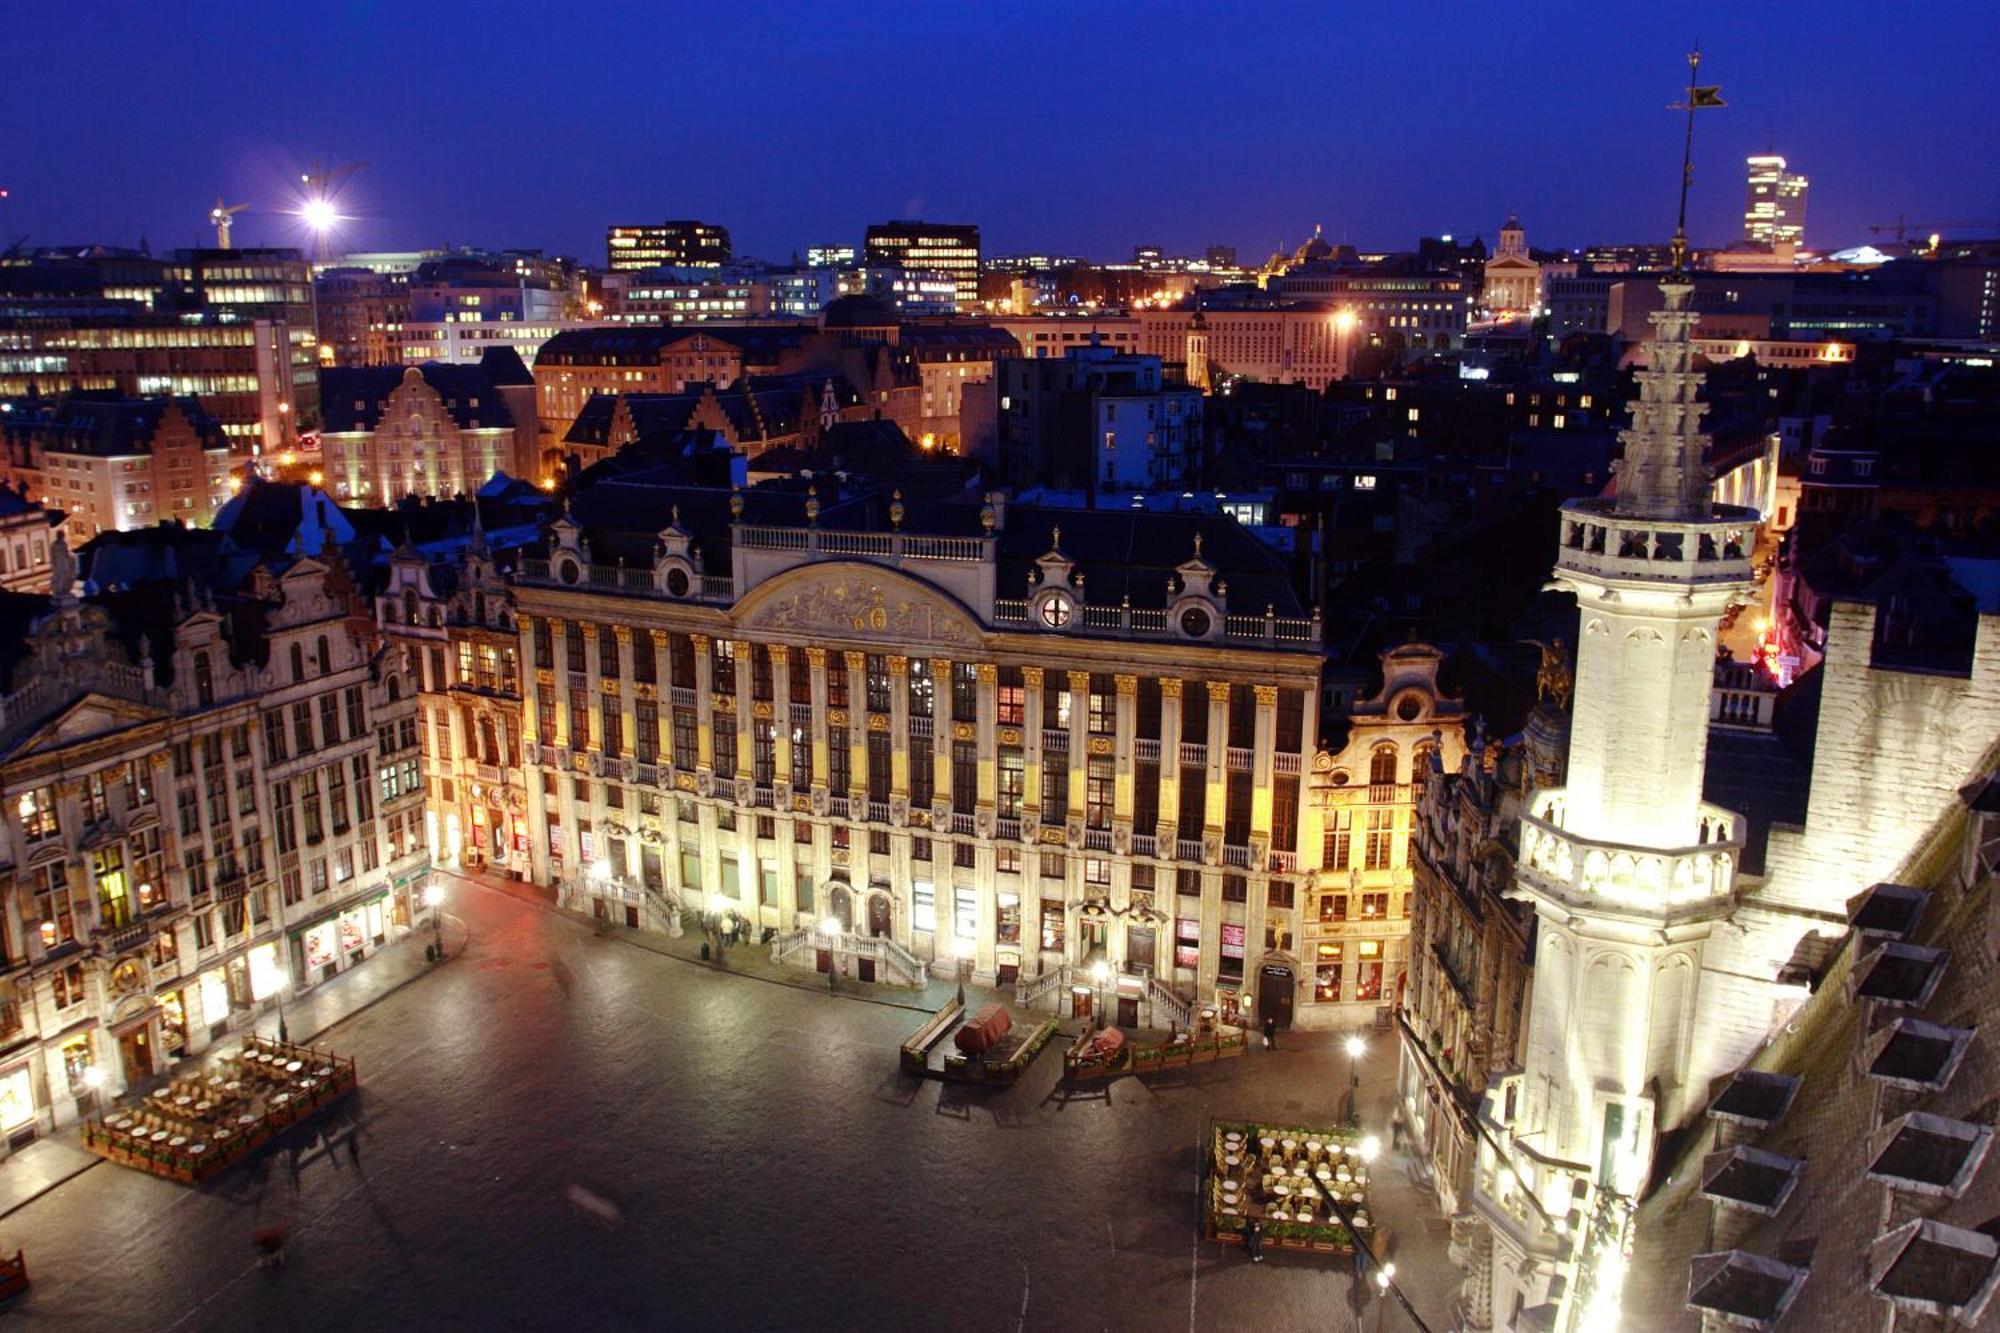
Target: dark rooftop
{"type": "Point", "coordinates": [1890, 910]}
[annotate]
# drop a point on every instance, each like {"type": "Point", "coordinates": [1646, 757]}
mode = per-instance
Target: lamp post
{"type": "Point", "coordinates": [1355, 1046]}
{"type": "Point", "coordinates": [1383, 1275]}
{"type": "Point", "coordinates": [1100, 972]}
{"type": "Point", "coordinates": [434, 899]}
{"type": "Point", "coordinates": [829, 927]}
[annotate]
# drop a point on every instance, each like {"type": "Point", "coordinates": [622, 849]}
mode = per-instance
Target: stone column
{"type": "Point", "coordinates": [1124, 750]}
{"type": "Point", "coordinates": [746, 672]}
{"type": "Point", "coordinates": [857, 740]}
{"type": "Point", "coordinates": [899, 727]}
{"type": "Point", "coordinates": [628, 723]}
{"type": "Point", "coordinates": [558, 679]}
{"type": "Point", "coordinates": [1218, 753]}
{"type": "Point", "coordinates": [1031, 743]}
{"type": "Point", "coordinates": [816, 665]}
{"type": "Point", "coordinates": [1079, 740]}
{"type": "Point", "coordinates": [989, 752]}
{"type": "Point", "coordinates": [942, 732]}
{"type": "Point", "coordinates": [781, 731]}
{"type": "Point", "coordinates": [704, 707]}
{"type": "Point", "coordinates": [663, 693]}
{"type": "Point", "coordinates": [1170, 762]}
{"type": "Point", "coordinates": [1261, 764]}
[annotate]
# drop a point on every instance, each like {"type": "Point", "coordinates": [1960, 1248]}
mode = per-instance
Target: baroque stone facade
{"type": "Point", "coordinates": [870, 734]}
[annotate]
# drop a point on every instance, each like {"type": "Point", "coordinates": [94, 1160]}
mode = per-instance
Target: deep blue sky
{"type": "Point", "coordinates": [1065, 127]}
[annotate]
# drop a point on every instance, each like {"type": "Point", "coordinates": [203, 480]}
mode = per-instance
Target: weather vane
{"type": "Point", "coordinates": [1699, 98]}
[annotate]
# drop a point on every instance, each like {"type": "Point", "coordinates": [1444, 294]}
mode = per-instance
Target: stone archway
{"type": "Point", "coordinates": [881, 912]}
{"type": "Point", "coordinates": [840, 903]}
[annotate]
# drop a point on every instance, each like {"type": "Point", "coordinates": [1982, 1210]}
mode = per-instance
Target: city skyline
{"type": "Point", "coordinates": [1178, 156]}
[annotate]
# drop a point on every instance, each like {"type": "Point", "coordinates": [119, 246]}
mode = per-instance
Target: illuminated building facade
{"type": "Point", "coordinates": [454, 621]}
{"type": "Point", "coordinates": [679, 244]}
{"type": "Point", "coordinates": [1272, 342]}
{"type": "Point", "coordinates": [1400, 738]}
{"type": "Point", "coordinates": [789, 710]}
{"type": "Point", "coordinates": [1513, 284]}
{"type": "Point", "coordinates": [192, 836]}
{"type": "Point", "coordinates": [114, 464]}
{"type": "Point", "coordinates": [1774, 205]}
{"type": "Point", "coordinates": [948, 248]}
{"type": "Point", "coordinates": [433, 430]}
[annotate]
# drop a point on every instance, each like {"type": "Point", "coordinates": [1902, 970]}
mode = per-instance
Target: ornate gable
{"type": "Point", "coordinates": [852, 601]}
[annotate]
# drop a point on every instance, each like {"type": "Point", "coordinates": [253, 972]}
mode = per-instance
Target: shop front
{"type": "Point", "coordinates": [324, 948]}
{"type": "Point", "coordinates": [17, 1106]}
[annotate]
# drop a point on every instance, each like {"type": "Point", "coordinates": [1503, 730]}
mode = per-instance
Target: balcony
{"type": "Point", "coordinates": [1240, 758]}
{"type": "Point", "coordinates": [123, 938]}
{"type": "Point", "coordinates": [1097, 839]}
{"type": "Point", "coordinates": [1146, 751]}
{"type": "Point", "coordinates": [1673, 882]}
{"type": "Point", "coordinates": [1055, 742]}
{"type": "Point", "coordinates": [1145, 844]}
{"type": "Point", "coordinates": [921, 728]}
{"type": "Point", "coordinates": [1238, 857]}
{"type": "Point", "coordinates": [1194, 754]}
{"type": "Point", "coordinates": [1188, 849]}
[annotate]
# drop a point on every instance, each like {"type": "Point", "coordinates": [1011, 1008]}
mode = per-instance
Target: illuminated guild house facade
{"type": "Point", "coordinates": [211, 803]}
{"type": "Point", "coordinates": [1364, 797]}
{"type": "Point", "coordinates": [1035, 740]}
{"type": "Point", "coordinates": [113, 464]}
{"type": "Point", "coordinates": [454, 618]}
{"type": "Point", "coordinates": [433, 430]}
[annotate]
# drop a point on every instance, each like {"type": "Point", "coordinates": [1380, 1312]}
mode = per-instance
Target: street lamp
{"type": "Point", "coordinates": [434, 899]}
{"type": "Point", "coordinates": [1355, 1046]}
{"type": "Point", "coordinates": [1371, 1148]}
{"type": "Point", "coordinates": [1382, 1277]}
{"type": "Point", "coordinates": [1100, 972]}
{"type": "Point", "coordinates": [830, 928]}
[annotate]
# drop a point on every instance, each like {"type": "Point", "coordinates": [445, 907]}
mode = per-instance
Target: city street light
{"type": "Point", "coordinates": [830, 928]}
{"type": "Point", "coordinates": [1355, 1046]}
{"type": "Point", "coordinates": [1382, 1278]}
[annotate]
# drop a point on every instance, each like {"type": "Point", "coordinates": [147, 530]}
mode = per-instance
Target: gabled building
{"type": "Point", "coordinates": [112, 464]}
{"type": "Point", "coordinates": [432, 430]}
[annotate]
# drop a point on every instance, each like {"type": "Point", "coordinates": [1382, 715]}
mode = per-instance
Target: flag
{"type": "Point", "coordinates": [1706, 97]}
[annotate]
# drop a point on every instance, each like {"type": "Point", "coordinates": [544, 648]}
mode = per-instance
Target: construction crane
{"type": "Point", "coordinates": [222, 217]}
{"type": "Point", "coordinates": [1902, 228]}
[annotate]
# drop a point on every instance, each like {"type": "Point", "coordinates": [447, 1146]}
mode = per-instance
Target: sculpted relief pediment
{"type": "Point", "coordinates": [859, 603]}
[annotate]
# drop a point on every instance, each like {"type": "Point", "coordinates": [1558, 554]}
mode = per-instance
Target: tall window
{"type": "Point", "coordinates": [610, 725]}
{"type": "Point", "coordinates": [838, 760]}
{"type": "Point", "coordinates": [878, 683]}
{"type": "Point", "coordinates": [764, 753]}
{"type": "Point", "coordinates": [1103, 704]}
{"type": "Point", "coordinates": [802, 758]}
{"type": "Point", "coordinates": [607, 652]}
{"type": "Point", "coordinates": [1382, 774]}
{"type": "Point", "coordinates": [1381, 836]}
{"type": "Point", "coordinates": [545, 648]}
{"type": "Point", "coordinates": [1337, 851]}
{"type": "Point", "coordinates": [1097, 792]}
{"type": "Point", "coordinates": [760, 672]}
{"type": "Point", "coordinates": [836, 680]}
{"type": "Point", "coordinates": [1013, 784]}
{"type": "Point", "coordinates": [878, 765]}
{"type": "Point", "coordinates": [923, 775]}
{"type": "Point", "coordinates": [923, 689]}
{"type": "Point", "coordinates": [1012, 698]}
{"type": "Point", "coordinates": [647, 742]}
{"type": "Point", "coordinates": [964, 776]}
{"type": "Point", "coordinates": [573, 645]}
{"type": "Point", "coordinates": [579, 719]}
{"type": "Point", "coordinates": [722, 663]}
{"type": "Point", "coordinates": [964, 692]}
{"type": "Point", "coordinates": [644, 667]}
{"type": "Point", "coordinates": [1055, 791]}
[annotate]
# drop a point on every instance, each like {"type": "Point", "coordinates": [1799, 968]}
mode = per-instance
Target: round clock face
{"type": "Point", "coordinates": [568, 572]}
{"type": "Point", "coordinates": [677, 582]}
{"type": "Point", "coordinates": [1195, 623]}
{"type": "Point", "coordinates": [1408, 707]}
{"type": "Point", "coordinates": [1056, 612]}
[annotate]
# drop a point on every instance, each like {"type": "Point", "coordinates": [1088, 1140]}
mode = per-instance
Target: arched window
{"type": "Point", "coordinates": [298, 662]}
{"type": "Point", "coordinates": [204, 680]}
{"type": "Point", "coordinates": [1382, 766]}
{"type": "Point", "coordinates": [409, 606]}
{"type": "Point", "coordinates": [1420, 768]}
{"type": "Point", "coordinates": [395, 688]}
{"type": "Point", "coordinates": [325, 658]}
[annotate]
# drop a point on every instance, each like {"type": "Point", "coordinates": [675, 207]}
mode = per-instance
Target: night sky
{"type": "Point", "coordinates": [1063, 127]}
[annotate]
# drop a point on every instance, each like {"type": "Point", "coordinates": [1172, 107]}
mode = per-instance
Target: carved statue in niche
{"type": "Point", "coordinates": [1554, 680]}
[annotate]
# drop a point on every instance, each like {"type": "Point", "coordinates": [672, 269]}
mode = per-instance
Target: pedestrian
{"type": "Point", "coordinates": [1270, 1032]}
{"type": "Point", "coordinates": [1253, 1240]}
{"type": "Point", "coordinates": [354, 1147]}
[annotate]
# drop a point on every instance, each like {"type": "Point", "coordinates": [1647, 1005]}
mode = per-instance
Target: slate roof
{"type": "Point", "coordinates": [107, 426]}
{"type": "Point", "coordinates": [351, 397]}
{"type": "Point", "coordinates": [1834, 1220]}
{"type": "Point", "coordinates": [1124, 552]}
